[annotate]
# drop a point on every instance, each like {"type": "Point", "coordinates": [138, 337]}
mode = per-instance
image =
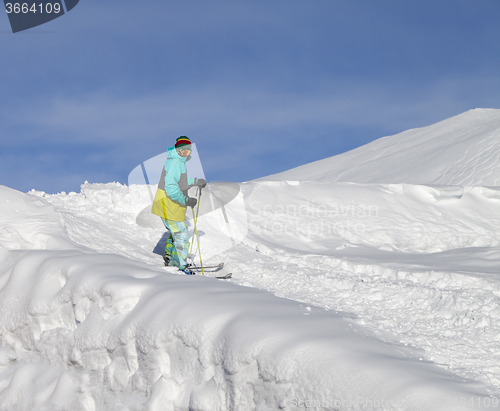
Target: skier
{"type": "Point", "coordinates": [171, 201]}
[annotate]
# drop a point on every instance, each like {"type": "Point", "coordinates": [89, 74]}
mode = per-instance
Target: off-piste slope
{"type": "Point", "coordinates": [462, 150]}
{"type": "Point", "coordinates": [83, 328]}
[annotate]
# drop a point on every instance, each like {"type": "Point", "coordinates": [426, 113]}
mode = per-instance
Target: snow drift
{"type": "Point", "coordinates": [395, 217]}
{"type": "Point", "coordinates": [462, 150]}
{"type": "Point", "coordinates": [94, 331]}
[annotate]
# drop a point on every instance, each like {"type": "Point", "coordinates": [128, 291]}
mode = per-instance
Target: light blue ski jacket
{"type": "Point", "coordinates": [170, 199]}
{"type": "Point", "coordinates": [176, 179]}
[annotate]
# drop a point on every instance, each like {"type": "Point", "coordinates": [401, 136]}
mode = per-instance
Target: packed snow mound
{"type": "Point", "coordinates": [325, 217]}
{"type": "Point", "coordinates": [27, 222]}
{"type": "Point", "coordinates": [462, 150]}
{"type": "Point", "coordinates": [83, 328]}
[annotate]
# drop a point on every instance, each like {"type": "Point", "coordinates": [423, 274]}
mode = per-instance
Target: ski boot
{"type": "Point", "coordinates": [187, 271]}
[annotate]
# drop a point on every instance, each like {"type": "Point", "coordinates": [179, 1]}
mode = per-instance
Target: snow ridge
{"type": "Point", "coordinates": [462, 150]}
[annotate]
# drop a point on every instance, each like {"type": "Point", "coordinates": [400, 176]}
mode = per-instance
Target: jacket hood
{"type": "Point", "coordinates": [172, 154]}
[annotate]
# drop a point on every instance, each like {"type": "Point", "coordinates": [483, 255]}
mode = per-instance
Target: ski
{"type": "Point", "coordinates": [218, 277]}
{"type": "Point", "coordinates": [209, 268]}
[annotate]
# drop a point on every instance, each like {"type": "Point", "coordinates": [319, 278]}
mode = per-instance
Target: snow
{"type": "Point", "coordinates": [359, 295]}
{"type": "Point", "coordinates": [462, 150]}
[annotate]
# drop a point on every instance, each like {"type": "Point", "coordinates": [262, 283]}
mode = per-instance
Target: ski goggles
{"type": "Point", "coordinates": [184, 151]}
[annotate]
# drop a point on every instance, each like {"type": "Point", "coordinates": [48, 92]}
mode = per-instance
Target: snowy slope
{"type": "Point", "coordinates": [401, 246]}
{"type": "Point", "coordinates": [346, 295]}
{"type": "Point", "coordinates": [84, 329]}
{"type": "Point", "coordinates": [462, 150]}
{"type": "Point", "coordinates": [418, 262]}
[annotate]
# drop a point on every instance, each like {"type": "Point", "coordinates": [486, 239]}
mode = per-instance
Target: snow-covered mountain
{"type": "Point", "coordinates": [462, 150]}
{"type": "Point", "coordinates": [346, 296]}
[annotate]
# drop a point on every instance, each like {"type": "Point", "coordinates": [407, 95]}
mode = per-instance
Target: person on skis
{"type": "Point", "coordinates": [171, 201]}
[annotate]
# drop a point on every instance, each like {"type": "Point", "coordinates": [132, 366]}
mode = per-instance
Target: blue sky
{"type": "Point", "coordinates": [260, 86]}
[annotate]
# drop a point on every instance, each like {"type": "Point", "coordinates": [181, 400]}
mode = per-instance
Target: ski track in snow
{"type": "Point", "coordinates": [452, 316]}
{"type": "Point", "coordinates": [456, 326]}
{"type": "Point", "coordinates": [478, 165]}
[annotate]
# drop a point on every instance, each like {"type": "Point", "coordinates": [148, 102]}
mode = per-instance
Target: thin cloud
{"type": "Point", "coordinates": [99, 116]}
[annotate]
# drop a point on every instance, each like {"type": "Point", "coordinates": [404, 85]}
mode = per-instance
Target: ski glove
{"type": "Point", "coordinates": [191, 202]}
{"type": "Point", "coordinates": [200, 182]}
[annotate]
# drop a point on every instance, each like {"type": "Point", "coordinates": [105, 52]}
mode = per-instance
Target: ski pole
{"type": "Point", "coordinates": [194, 222]}
{"type": "Point", "coordinates": [195, 219]}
